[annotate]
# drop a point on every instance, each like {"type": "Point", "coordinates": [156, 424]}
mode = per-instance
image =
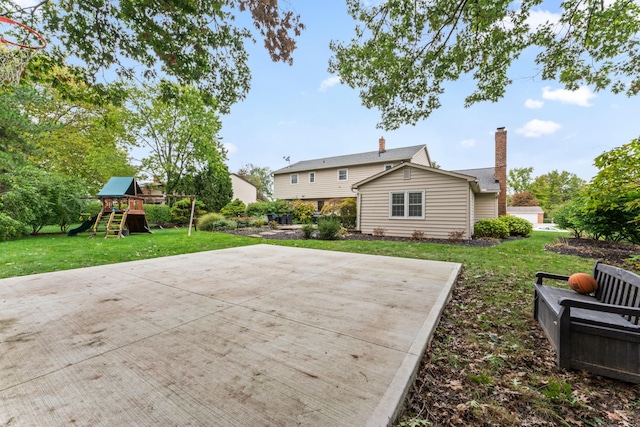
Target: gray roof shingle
{"type": "Point", "coordinates": [391, 155]}
{"type": "Point", "coordinates": [486, 178]}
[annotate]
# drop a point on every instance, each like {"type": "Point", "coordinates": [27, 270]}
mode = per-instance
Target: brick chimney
{"type": "Point", "coordinates": [381, 145]}
{"type": "Point", "coordinates": [501, 169]}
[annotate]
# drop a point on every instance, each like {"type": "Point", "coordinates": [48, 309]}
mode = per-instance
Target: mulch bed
{"type": "Point", "coordinates": [614, 253]}
{"type": "Point", "coordinates": [297, 235]}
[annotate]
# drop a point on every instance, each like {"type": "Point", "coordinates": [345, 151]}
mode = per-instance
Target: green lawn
{"type": "Point", "coordinates": [53, 252]}
{"type": "Point", "coordinates": [488, 364]}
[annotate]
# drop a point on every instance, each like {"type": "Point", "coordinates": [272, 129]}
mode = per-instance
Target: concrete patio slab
{"type": "Point", "coordinates": [258, 335]}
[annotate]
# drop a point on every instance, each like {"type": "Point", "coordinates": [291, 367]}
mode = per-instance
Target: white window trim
{"type": "Point", "coordinates": [406, 204]}
{"type": "Point", "coordinates": [314, 177]}
{"type": "Point", "coordinates": [291, 179]}
{"type": "Point", "coordinates": [346, 170]}
{"type": "Point", "coordinates": [388, 166]}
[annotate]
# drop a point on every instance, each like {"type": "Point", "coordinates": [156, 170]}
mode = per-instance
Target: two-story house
{"type": "Point", "coordinates": [320, 180]}
{"type": "Point", "coordinates": [398, 191]}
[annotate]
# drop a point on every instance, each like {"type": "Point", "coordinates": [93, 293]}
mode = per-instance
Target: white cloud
{"type": "Point", "coordinates": [26, 3]}
{"type": "Point", "coordinates": [539, 17]}
{"type": "Point", "coordinates": [579, 97]}
{"type": "Point", "coordinates": [230, 147]}
{"type": "Point", "coordinates": [468, 143]}
{"type": "Point", "coordinates": [327, 83]}
{"type": "Point", "coordinates": [533, 104]}
{"type": "Point", "coordinates": [536, 128]}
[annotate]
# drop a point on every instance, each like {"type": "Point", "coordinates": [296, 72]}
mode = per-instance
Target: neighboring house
{"type": "Point", "coordinates": [154, 189]}
{"type": "Point", "coordinates": [243, 189]}
{"type": "Point", "coordinates": [410, 198]}
{"type": "Point", "coordinates": [533, 214]}
{"type": "Point", "coordinates": [320, 180]}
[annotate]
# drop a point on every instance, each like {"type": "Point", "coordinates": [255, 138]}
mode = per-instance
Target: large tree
{"type": "Point", "coordinates": [85, 138]}
{"type": "Point", "coordinates": [404, 52]}
{"type": "Point", "coordinates": [519, 179]}
{"type": "Point", "coordinates": [615, 190]}
{"type": "Point", "coordinates": [555, 188]}
{"type": "Point", "coordinates": [196, 42]}
{"type": "Point", "coordinates": [178, 129]}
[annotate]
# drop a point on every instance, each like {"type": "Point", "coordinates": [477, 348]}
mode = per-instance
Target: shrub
{"type": "Point", "coordinates": [417, 235]}
{"type": "Point", "coordinates": [258, 222]}
{"type": "Point", "coordinates": [456, 235]}
{"type": "Point", "coordinates": [345, 208]}
{"type": "Point", "coordinates": [329, 228]}
{"type": "Point", "coordinates": [158, 214]}
{"type": "Point", "coordinates": [181, 211]}
{"type": "Point", "coordinates": [517, 226]}
{"type": "Point", "coordinates": [224, 224]}
{"type": "Point", "coordinates": [215, 222]}
{"type": "Point", "coordinates": [378, 232]}
{"type": "Point", "coordinates": [281, 207]}
{"type": "Point", "coordinates": [307, 231]}
{"type": "Point", "coordinates": [274, 225]}
{"type": "Point", "coordinates": [491, 228]}
{"type": "Point", "coordinates": [303, 211]}
{"type": "Point", "coordinates": [242, 221]}
{"type": "Point", "coordinates": [206, 221]}
{"type": "Point", "coordinates": [10, 228]}
{"type": "Point", "coordinates": [234, 208]}
{"type": "Point", "coordinates": [260, 208]}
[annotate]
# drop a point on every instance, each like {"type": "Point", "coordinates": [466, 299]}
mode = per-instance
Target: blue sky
{"type": "Point", "coordinates": [303, 112]}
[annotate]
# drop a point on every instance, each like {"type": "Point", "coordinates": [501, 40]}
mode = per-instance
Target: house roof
{"type": "Point", "coordinates": [241, 178]}
{"type": "Point", "coordinates": [485, 176]}
{"type": "Point", "coordinates": [391, 155]}
{"type": "Point", "coordinates": [119, 186]}
{"type": "Point", "coordinates": [470, 178]}
{"type": "Point", "coordinates": [524, 209]}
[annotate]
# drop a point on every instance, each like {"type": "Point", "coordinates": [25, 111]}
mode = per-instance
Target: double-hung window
{"type": "Point", "coordinates": [406, 204]}
{"type": "Point", "coordinates": [294, 178]}
{"type": "Point", "coordinates": [343, 174]}
{"type": "Point", "coordinates": [312, 177]}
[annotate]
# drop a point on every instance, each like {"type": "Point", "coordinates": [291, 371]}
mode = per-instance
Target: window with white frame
{"type": "Point", "coordinates": [343, 174]}
{"type": "Point", "coordinates": [312, 177]}
{"type": "Point", "coordinates": [388, 166]}
{"type": "Point", "coordinates": [406, 204]}
{"type": "Point", "coordinates": [294, 178]}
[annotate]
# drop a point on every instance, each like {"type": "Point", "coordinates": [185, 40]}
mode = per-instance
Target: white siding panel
{"type": "Point", "coordinates": [243, 190]}
{"type": "Point", "coordinates": [446, 204]}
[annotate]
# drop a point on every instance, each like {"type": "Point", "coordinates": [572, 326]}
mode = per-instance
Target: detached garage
{"type": "Point", "coordinates": [533, 214]}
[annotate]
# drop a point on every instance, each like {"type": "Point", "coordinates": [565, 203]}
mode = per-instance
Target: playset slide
{"type": "Point", "coordinates": [83, 227]}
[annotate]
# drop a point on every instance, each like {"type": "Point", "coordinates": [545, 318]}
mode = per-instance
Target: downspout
{"type": "Point", "coordinates": [358, 206]}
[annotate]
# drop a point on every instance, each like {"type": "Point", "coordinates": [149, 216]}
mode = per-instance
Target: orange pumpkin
{"type": "Point", "coordinates": [583, 283]}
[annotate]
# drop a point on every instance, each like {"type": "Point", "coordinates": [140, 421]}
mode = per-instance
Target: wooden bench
{"type": "Point", "coordinates": [597, 333]}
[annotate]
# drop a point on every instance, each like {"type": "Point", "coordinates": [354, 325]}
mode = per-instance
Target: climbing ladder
{"type": "Point", "coordinates": [112, 224]}
{"type": "Point", "coordinates": [116, 223]}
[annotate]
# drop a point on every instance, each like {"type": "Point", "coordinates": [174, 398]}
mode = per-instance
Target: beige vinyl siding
{"type": "Point", "coordinates": [446, 204]}
{"type": "Point", "coordinates": [243, 190]}
{"type": "Point", "coordinates": [421, 158]}
{"type": "Point", "coordinates": [486, 206]}
{"type": "Point", "coordinates": [326, 185]}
